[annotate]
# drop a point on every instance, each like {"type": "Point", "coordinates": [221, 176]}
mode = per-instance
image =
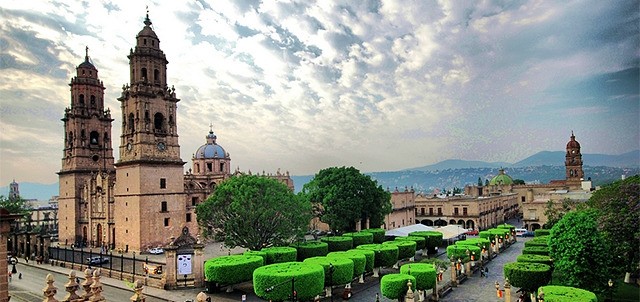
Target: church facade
{"type": "Point", "coordinates": [145, 198]}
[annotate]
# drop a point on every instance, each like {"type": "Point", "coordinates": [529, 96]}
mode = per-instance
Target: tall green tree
{"type": "Point", "coordinates": [14, 205]}
{"type": "Point", "coordinates": [253, 212]}
{"type": "Point", "coordinates": [344, 196]}
{"type": "Point", "coordinates": [580, 252]}
{"type": "Point", "coordinates": [555, 210]}
{"type": "Point", "coordinates": [619, 207]}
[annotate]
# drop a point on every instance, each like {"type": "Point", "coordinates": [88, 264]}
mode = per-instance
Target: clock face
{"type": "Point", "coordinates": [161, 146]}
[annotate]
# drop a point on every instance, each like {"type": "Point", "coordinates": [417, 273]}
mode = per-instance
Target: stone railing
{"type": "Point", "coordinates": [92, 288]}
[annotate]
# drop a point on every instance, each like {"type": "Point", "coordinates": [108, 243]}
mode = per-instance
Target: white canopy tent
{"type": "Point", "coordinates": [451, 231]}
{"type": "Point", "coordinates": [404, 231]}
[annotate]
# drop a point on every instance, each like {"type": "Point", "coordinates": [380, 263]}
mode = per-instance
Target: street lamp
{"type": "Point", "coordinates": [610, 283]}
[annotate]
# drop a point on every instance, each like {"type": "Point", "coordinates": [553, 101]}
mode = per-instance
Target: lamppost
{"type": "Point", "coordinates": [541, 295]}
{"type": "Point", "coordinates": [610, 283]}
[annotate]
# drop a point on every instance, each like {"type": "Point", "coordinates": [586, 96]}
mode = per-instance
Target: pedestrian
{"type": "Point", "coordinates": [486, 272]}
{"type": "Point", "coordinates": [20, 276]}
{"type": "Point", "coordinates": [9, 276]}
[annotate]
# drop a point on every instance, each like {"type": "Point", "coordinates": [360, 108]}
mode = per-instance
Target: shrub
{"type": "Point", "coordinates": [486, 235]}
{"type": "Point", "coordinates": [360, 238]}
{"type": "Point", "coordinates": [279, 254]}
{"type": "Point", "coordinates": [358, 258]}
{"type": "Point", "coordinates": [257, 253]}
{"type": "Point", "coordinates": [424, 273]}
{"type": "Point", "coordinates": [369, 255]}
{"type": "Point", "coordinates": [394, 286]}
{"type": "Point", "coordinates": [433, 239]}
{"type": "Point", "coordinates": [406, 248]}
{"type": "Point", "coordinates": [311, 249]}
{"type": "Point", "coordinates": [308, 280]}
{"type": "Point", "coordinates": [536, 250]}
{"type": "Point", "coordinates": [338, 243]}
{"type": "Point", "coordinates": [460, 252]}
{"type": "Point", "coordinates": [421, 242]}
{"type": "Point", "coordinates": [232, 269]}
{"type": "Point", "coordinates": [378, 234]}
{"type": "Point", "coordinates": [479, 242]}
{"type": "Point", "coordinates": [535, 259]}
{"type": "Point", "coordinates": [385, 255]}
{"type": "Point", "coordinates": [342, 269]}
{"type": "Point", "coordinates": [537, 241]}
{"type": "Point", "coordinates": [506, 226]}
{"type": "Point", "coordinates": [554, 293]}
{"type": "Point", "coordinates": [526, 275]}
{"type": "Point", "coordinates": [541, 232]}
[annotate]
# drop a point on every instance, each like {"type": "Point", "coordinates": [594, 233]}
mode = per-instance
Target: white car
{"type": "Point", "coordinates": [156, 251]}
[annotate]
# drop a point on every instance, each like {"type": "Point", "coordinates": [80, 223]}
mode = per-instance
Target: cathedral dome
{"type": "Point", "coordinates": [501, 179]}
{"type": "Point", "coordinates": [147, 31]}
{"type": "Point", "coordinates": [573, 143]}
{"type": "Point", "coordinates": [211, 149]}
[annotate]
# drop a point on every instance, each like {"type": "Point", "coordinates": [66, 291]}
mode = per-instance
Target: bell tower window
{"type": "Point", "coordinates": [156, 75]}
{"type": "Point", "coordinates": [94, 138]}
{"type": "Point", "coordinates": [93, 100]}
{"type": "Point", "coordinates": [131, 122]}
{"type": "Point", "coordinates": [144, 73]}
{"type": "Point", "coordinates": [81, 99]}
{"type": "Point", "coordinates": [158, 121]}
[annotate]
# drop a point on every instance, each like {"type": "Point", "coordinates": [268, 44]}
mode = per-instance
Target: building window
{"type": "Point", "coordinates": [422, 211]}
{"type": "Point", "coordinates": [464, 211]}
{"type": "Point", "coordinates": [522, 198]}
{"type": "Point", "coordinates": [430, 211]}
{"type": "Point", "coordinates": [194, 201]}
{"type": "Point", "coordinates": [163, 183]}
{"type": "Point", "coordinates": [455, 211]}
{"type": "Point", "coordinates": [221, 167]}
{"type": "Point", "coordinates": [166, 222]}
{"type": "Point", "coordinates": [163, 206]}
{"type": "Point", "coordinates": [439, 211]}
{"type": "Point", "coordinates": [188, 217]}
{"type": "Point", "coordinates": [209, 167]}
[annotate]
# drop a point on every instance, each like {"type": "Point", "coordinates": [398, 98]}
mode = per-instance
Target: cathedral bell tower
{"type": "Point", "coordinates": [573, 163]}
{"type": "Point", "coordinates": [150, 188]}
{"type": "Point", "coordinates": [87, 147]}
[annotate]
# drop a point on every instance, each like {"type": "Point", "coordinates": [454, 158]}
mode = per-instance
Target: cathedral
{"type": "Point", "coordinates": [144, 198]}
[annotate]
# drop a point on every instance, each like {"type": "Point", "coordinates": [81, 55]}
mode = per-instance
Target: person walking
{"type": "Point", "coordinates": [20, 276]}
{"type": "Point", "coordinates": [9, 276]}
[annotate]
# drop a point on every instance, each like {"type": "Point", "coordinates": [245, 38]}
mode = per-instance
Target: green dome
{"type": "Point", "coordinates": [501, 179]}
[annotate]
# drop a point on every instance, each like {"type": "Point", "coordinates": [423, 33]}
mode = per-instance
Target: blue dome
{"type": "Point", "coordinates": [211, 151]}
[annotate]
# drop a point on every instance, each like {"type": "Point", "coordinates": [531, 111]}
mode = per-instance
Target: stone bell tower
{"type": "Point", "coordinates": [150, 189]}
{"type": "Point", "coordinates": [573, 163]}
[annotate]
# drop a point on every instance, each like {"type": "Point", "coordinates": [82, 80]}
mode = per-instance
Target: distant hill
{"type": "Point", "coordinates": [29, 190]}
{"type": "Point", "coordinates": [459, 164]}
{"type": "Point", "coordinates": [556, 158]}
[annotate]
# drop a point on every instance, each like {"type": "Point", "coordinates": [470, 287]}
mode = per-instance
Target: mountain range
{"type": "Point", "coordinates": [540, 167]}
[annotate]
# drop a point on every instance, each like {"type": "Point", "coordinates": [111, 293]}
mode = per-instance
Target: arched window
{"type": "Point", "coordinates": [156, 75]}
{"type": "Point", "coordinates": [131, 122]}
{"type": "Point", "coordinates": [93, 101]}
{"type": "Point", "coordinates": [144, 74]}
{"type": "Point", "coordinates": [93, 137]}
{"type": "Point", "coordinates": [158, 121]}
{"type": "Point", "coordinates": [81, 99]}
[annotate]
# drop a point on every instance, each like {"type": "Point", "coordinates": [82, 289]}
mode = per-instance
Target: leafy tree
{"type": "Point", "coordinates": [580, 252]}
{"type": "Point", "coordinates": [518, 181]}
{"type": "Point", "coordinates": [344, 196]}
{"type": "Point", "coordinates": [555, 210]}
{"type": "Point", "coordinates": [619, 206]}
{"type": "Point", "coordinates": [253, 212]}
{"type": "Point", "coordinates": [14, 205]}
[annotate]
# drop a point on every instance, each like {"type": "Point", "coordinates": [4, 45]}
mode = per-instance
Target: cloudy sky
{"type": "Point", "coordinates": [304, 85]}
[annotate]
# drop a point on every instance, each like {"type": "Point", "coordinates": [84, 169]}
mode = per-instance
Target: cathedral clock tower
{"type": "Point", "coordinates": [150, 183]}
{"type": "Point", "coordinates": [87, 150]}
{"type": "Point", "coordinates": [573, 163]}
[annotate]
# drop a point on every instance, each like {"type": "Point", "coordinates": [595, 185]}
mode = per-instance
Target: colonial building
{"type": "Point", "coordinates": [402, 214]}
{"type": "Point", "coordinates": [144, 198]}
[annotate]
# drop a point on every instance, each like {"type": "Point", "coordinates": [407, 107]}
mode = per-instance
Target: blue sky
{"type": "Point", "coordinates": [305, 85]}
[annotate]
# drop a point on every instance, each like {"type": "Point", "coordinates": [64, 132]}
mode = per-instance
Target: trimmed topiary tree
{"type": "Point", "coordinates": [433, 239]}
{"type": "Point", "coordinates": [421, 242]}
{"type": "Point", "coordinates": [338, 243]}
{"type": "Point", "coordinates": [538, 241]}
{"type": "Point", "coordinates": [394, 286]}
{"type": "Point", "coordinates": [506, 226]}
{"type": "Point", "coordinates": [425, 274]}
{"type": "Point", "coordinates": [272, 282]}
{"type": "Point", "coordinates": [257, 253]}
{"type": "Point", "coordinates": [486, 235]}
{"type": "Point", "coordinates": [385, 255]}
{"type": "Point", "coordinates": [232, 269]}
{"type": "Point", "coordinates": [528, 276]}
{"type": "Point", "coordinates": [479, 242]}
{"type": "Point", "coordinates": [555, 293]}
{"type": "Point", "coordinates": [378, 234]}
{"type": "Point", "coordinates": [360, 238]}
{"type": "Point", "coordinates": [359, 260]}
{"type": "Point", "coordinates": [406, 248]}
{"type": "Point", "coordinates": [279, 254]}
{"type": "Point", "coordinates": [541, 232]}
{"type": "Point", "coordinates": [535, 259]}
{"type": "Point", "coordinates": [460, 252]}
{"type": "Point", "coordinates": [369, 255]}
{"type": "Point", "coordinates": [536, 250]}
{"type": "Point", "coordinates": [342, 269]}
{"type": "Point", "coordinates": [311, 249]}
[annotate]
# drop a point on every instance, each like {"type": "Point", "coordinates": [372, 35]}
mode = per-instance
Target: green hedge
{"type": "Point", "coordinates": [308, 280]}
{"type": "Point", "coordinates": [460, 252]}
{"type": "Point", "coordinates": [433, 239]}
{"type": "Point", "coordinates": [311, 249]}
{"type": "Point", "coordinates": [499, 232]}
{"type": "Point", "coordinates": [369, 255]}
{"type": "Point", "coordinates": [279, 254]}
{"type": "Point", "coordinates": [541, 232]}
{"type": "Point", "coordinates": [232, 269]}
{"type": "Point", "coordinates": [406, 248]}
{"type": "Point", "coordinates": [394, 286]}
{"type": "Point", "coordinates": [506, 226]}
{"type": "Point", "coordinates": [358, 258]}
{"type": "Point", "coordinates": [338, 243]}
{"type": "Point", "coordinates": [378, 234]}
{"type": "Point", "coordinates": [342, 269]}
{"type": "Point", "coordinates": [479, 242]}
{"type": "Point", "coordinates": [555, 293]}
{"type": "Point", "coordinates": [421, 242]}
{"type": "Point", "coordinates": [535, 259]}
{"type": "Point", "coordinates": [536, 250]}
{"type": "Point", "coordinates": [537, 241]}
{"type": "Point", "coordinates": [385, 254]}
{"type": "Point", "coordinates": [526, 275]}
{"type": "Point", "coordinates": [360, 238]}
{"type": "Point", "coordinates": [257, 253]}
{"type": "Point", "coordinates": [486, 235]}
{"type": "Point", "coordinates": [424, 273]}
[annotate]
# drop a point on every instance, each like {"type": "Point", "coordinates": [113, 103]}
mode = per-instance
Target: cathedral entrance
{"type": "Point", "coordinates": [99, 241]}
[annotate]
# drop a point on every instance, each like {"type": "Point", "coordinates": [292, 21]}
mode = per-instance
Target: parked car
{"type": "Point", "coordinates": [529, 234]}
{"type": "Point", "coordinates": [472, 233]}
{"type": "Point", "coordinates": [520, 232]}
{"type": "Point", "coordinates": [155, 251]}
{"type": "Point", "coordinates": [97, 260]}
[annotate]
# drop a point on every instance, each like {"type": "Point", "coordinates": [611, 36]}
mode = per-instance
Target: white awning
{"type": "Point", "coordinates": [404, 231]}
{"type": "Point", "coordinates": [451, 231]}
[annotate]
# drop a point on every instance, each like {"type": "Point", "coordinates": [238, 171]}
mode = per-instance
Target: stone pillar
{"type": "Point", "coordinates": [49, 291]}
{"type": "Point", "coordinates": [6, 219]}
{"type": "Point", "coordinates": [467, 268]}
{"type": "Point", "coordinates": [454, 281]}
{"type": "Point", "coordinates": [507, 290]}
{"type": "Point", "coordinates": [201, 297]}
{"type": "Point", "coordinates": [171, 273]}
{"type": "Point", "coordinates": [96, 287]}
{"type": "Point", "coordinates": [409, 297]}
{"type": "Point", "coordinates": [71, 287]}
{"type": "Point", "coordinates": [198, 264]}
{"type": "Point", "coordinates": [86, 285]}
{"type": "Point", "coordinates": [137, 292]}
